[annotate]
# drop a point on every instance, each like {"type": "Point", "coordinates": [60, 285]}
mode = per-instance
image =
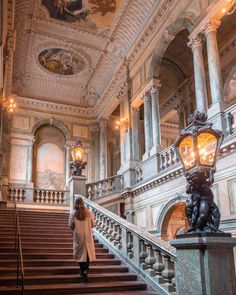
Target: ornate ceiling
{"type": "Point", "coordinates": [68, 50]}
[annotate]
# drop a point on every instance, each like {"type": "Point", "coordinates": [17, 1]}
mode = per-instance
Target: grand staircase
{"type": "Point", "coordinates": [48, 263]}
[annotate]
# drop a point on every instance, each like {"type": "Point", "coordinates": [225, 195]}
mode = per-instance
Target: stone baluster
{"type": "Point", "coordinates": [46, 196]}
{"type": "Point", "coordinates": [167, 157]}
{"type": "Point", "coordinates": [129, 246]}
{"type": "Point", "coordinates": [20, 195]}
{"type": "Point", "coordinates": [107, 229]}
{"type": "Point", "coordinates": [172, 156]}
{"type": "Point", "coordinates": [199, 73]}
{"type": "Point", "coordinates": [60, 198]}
{"type": "Point", "coordinates": [168, 273]}
{"type": "Point", "coordinates": [143, 255]}
{"type": "Point", "coordinates": [90, 192]}
{"type": "Point", "coordinates": [162, 162]}
{"type": "Point", "coordinates": [100, 190]}
{"type": "Point", "coordinates": [150, 260]}
{"type": "Point", "coordinates": [118, 237]}
{"type": "Point", "coordinates": [111, 231]}
{"type": "Point", "coordinates": [37, 197]}
{"type": "Point", "coordinates": [11, 190]}
{"type": "Point", "coordinates": [158, 266]}
{"type": "Point", "coordinates": [50, 197]}
{"type": "Point", "coordinates": [229, 121]}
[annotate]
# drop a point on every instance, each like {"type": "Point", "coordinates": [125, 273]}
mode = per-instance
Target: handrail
{"type": "Point", "coordinates": [155, 241]}
{"type": "Point", "coordinates": [151, 257]}
{"type": "Point", "coordinates": [20, 262]}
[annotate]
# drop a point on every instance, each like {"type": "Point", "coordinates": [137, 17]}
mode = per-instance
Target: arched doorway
{"type": "Point", "coordinates": [49, 158]}
{"type": "Point", "coordinates": [174, 222]}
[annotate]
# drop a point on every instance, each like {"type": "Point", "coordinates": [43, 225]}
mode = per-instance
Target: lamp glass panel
{"type": "Point", "coordinates": [207, 144]}
{"type": "Point", "coordinates": [78, 151]}
{"type": "Point", "coordinates": [187, 153]}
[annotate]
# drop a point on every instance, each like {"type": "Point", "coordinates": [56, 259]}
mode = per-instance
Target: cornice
{"type": "Point", "coordinates": [46, 106]}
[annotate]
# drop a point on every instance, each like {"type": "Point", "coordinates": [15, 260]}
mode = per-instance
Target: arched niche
{"type": "Point", "coordinates": [59, 125]}
{"type": "Point", "coordinates": [49, 158]}
{"type": "Point", "coordinates": [172, 219]}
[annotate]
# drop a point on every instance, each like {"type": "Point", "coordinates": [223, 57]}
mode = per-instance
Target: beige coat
{"type": "Point", "coordinates": [83, 243]}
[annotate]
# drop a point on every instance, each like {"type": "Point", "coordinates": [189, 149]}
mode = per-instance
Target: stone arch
{"type": "Point", "coordinates": [166, 213]}
{"type": "Point", "coordinates": [168, 36]}
{"type": "Point", "coordinates": [55, 123]}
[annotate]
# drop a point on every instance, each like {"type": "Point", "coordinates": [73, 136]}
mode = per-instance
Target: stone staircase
{"type": "Point", "coordinates": [48, 263]}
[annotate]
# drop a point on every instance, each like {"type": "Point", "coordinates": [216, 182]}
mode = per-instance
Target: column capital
{"type": "Point", "coordinates": [211, 26]}
{"type": "Point", "coordinates": [197, 41]}
{"type": "Point", "coordinates": [103, 122]}
{"type": "Point", "coordinates": [93, 127]}
{"type": "Point", "coordinates": [31, 141]}
{"type": "Point", "coordinates": [135, 110]}
{"type": "Point", "coordinates": [146, 96]}
{"type": "Point", "coordinates": [156, 87]}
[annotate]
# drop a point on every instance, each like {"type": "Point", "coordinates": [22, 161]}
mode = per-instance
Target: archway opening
{"type": "Point", "coordinates": [49, 158]}
{"type": "Point", "coordinates": [175, 222]}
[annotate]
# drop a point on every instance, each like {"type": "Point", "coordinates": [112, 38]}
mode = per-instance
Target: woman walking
{"type": "Point", "coordinates": [81, 221]}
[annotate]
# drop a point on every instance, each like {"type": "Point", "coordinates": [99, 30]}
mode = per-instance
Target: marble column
{"type": "Point", "coordinates": [156, 126]}
{"type": "Point", "coordinates": [93, 163]}
{"type": "Point", "coordinates": [67, 162]}
{"type": "Point", "coordinates": [214, 62]}
{"type": "Point", "coordinates": [147, 122]}
{"type": "Point", "coordinates": [199, 73]}
{"type": "Point", "coordinates": [136, 149]}
{"type": "Point", "coordinates": [30, 160]}
{"type": "Point", "coordinates": [103, 149]}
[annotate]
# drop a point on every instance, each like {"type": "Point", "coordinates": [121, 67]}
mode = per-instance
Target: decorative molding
{"type": "Point", "coordinates": [45, 106]}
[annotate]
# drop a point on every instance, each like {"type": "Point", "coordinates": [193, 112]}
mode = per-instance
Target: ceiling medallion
{"type": "Point", "coordinates": [61, 61]}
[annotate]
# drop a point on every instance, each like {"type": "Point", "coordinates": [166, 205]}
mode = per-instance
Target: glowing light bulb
{"type": "Point", "coordinates": [192, 154]}
{"type": "Point", "coordinates": [223, 10]}
{"type": "Point", "coordinates": [11, 100]}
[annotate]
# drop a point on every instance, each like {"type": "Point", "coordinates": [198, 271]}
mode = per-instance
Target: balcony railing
{"type": "Point", "coordinates": [108, 186]}
{"type": "Point", "coordinates": [150, 256]}
{"type": "Point", "coordinates": [39, 196]}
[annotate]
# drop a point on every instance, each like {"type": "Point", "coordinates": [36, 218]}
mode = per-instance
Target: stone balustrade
{"type": "Point", "coordinates": [16, 194]}
{"type": "Point", "coordinates": [55, 197]}
{"type": "Point", "coordinates": [150, 256]}
{"type": "Point", "coordinates": [168, 157]}
{"type": "Point", "coordinates": [230, 120]}
{"type": "Point", "coordinates": [108, 186]}
{"type": "Point", "coordinates": [139, 173]}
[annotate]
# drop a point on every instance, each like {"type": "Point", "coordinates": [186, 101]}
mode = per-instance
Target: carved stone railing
{"type": "Point", "coordinates": [16, 194]}
{"type": "Point", "coordinates": [230, 119]}
{"type": "Point", "coordinates": [168, 157]}
{"type": "Point", "coordinates": [42, 196]}
{"type": "Point", "coordinates": [105, 187]}
{"type": "Point", "coordinates": [47, 196]}
{"type": "Point", "coordinates": [151, 257]}
{"type": "Point", "coordinates": [139, 173]}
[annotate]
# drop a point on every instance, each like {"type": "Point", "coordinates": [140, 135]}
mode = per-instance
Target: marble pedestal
{"type": "Point", "coordinates": [205, 264]}
{"type": "Point", "coordinates": [77, 186]}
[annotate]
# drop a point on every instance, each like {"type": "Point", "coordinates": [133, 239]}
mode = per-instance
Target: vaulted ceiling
{"type": "Point", "coordinates": [68, 50]}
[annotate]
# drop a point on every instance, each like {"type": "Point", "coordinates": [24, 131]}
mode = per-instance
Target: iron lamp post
{"type": "Point", "coordinates": [197, 147]}
{"type": "Point", "coordinates": [77, 152]}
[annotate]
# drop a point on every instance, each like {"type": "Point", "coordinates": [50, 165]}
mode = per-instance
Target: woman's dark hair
{"type": "Point", "coordinates": [80, 211]}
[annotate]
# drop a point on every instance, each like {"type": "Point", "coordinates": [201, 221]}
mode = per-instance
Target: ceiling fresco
{"type": "Point", "coordinates": [61, 61]}
{"type": "Point", "coordinates": [68, 50]}
{"type": "Point", "coordinates": [97, 13]}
